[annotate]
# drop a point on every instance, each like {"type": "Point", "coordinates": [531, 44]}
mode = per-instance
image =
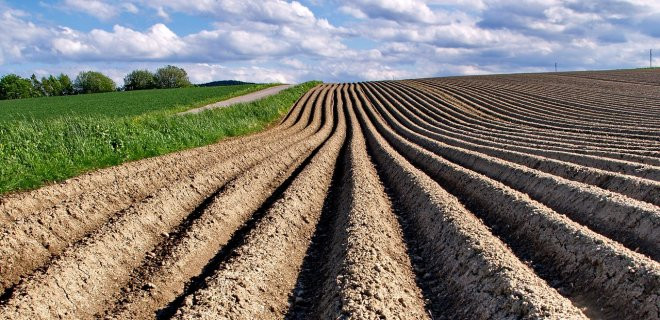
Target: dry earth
{"type": "Point", "coordinates": [490, 197]}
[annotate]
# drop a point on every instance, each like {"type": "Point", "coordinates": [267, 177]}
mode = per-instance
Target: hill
{"type": "Point", "coordinates": [224, 83]}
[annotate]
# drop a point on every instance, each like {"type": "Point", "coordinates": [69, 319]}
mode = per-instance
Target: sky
{"type": "Point", "coordinates": [329, 40]}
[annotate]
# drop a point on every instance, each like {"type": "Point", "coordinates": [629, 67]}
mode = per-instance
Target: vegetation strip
{"type": "Point", "coordinates": [36, 152]}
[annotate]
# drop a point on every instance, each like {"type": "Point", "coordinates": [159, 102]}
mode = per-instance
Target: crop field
{"type": "Point", "coordinates": [502, 197]}
{"type": "Point", "coordinates": [43, 150]}
{"type": "Point", "coordinates": [119, 104]}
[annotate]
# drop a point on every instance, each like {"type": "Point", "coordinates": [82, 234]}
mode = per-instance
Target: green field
{"type": "Point", "coordinates": [53, 147]}
{"type": "Point", "coordinates": [120, 104]}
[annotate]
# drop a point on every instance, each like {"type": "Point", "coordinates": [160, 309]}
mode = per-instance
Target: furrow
{"type": "Point", "coordinates": [528, 143]}
{"type": "Point", "coordinates": [121, 244]}
{"type": "Point", "coordinates": [606, 273]}
{"type": "Point", "coordinates": [505, 106]}
{"type": "Point", "coordinates": [580, 98]}
{"type": "Point", "coordinates": [185, 257]}
{"type": "Point", "coordinates": [469, 272]}
{"type": "Point", "coordinates": [557, 110]}
{"type": "Point", "coordinates": [498, 112]}
{"type": "Point", "coordinates": [130, 182]}
{"type": "Point", "coordinates": [628, 152]}
{"type": "Point", "coordinates": [30, 242]}
{"type": "Point", "coordinates": [498, 124]}
{"type": "Point", "coordinates": [256, 281]}
{"type": "Point", "coordinates": [633, 223]}
{"type": "Point", "coordinates": [634, 187]}
{"type": "Point", "coordinates": [369, 274]}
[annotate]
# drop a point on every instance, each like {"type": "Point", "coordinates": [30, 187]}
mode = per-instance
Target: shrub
{"type": "Point", "coordinates": [172, 77]}
{"type": "Point", "coordinates": [139, 80]}
{"type": "Point", "coordinates": [93, 82]}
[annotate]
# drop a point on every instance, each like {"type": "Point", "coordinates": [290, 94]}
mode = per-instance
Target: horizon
{"type": "Point", "coordinates": [328, 40]}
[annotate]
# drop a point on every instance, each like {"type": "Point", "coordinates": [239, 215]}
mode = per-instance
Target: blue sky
{"type": "Point", "coordinates": [330, 40]}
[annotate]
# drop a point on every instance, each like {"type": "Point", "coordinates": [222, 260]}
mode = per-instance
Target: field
{"type": "Point", "coordinates": [54, 148]}
{"type": "Point", "coordinates": [119, 104]}
{"type": "Point", "coordinates": [503, 197]}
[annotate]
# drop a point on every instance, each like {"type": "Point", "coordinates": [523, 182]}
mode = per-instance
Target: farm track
{"type": "Point", "coordinates": [471, 197]}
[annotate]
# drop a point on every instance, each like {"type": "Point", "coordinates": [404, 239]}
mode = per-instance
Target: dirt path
{"type": "Point", "coordinates": [240, 99]}
{"type": "Point", "coordinates": [409, 199]}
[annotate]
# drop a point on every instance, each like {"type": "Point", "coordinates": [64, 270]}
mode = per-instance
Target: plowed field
{"type": "Point", "coordinates": [512, 196]}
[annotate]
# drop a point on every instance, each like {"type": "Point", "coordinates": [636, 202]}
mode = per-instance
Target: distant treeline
{"type": "Point", "coordinates": [15, 87]}
{"type": "Point", "coordinates": [224, 83]}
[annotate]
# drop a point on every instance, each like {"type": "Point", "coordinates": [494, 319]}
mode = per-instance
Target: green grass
{"type": "Point", "coordinates": [120, 104]}
{"type": "Point", "coordinates": [34, 152]}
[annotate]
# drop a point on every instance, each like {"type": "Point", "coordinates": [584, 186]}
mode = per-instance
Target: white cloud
{"type": "Point", "coordinates": [353, 11]}
{"type": "Point", "coordinates": [294, 63]}
{"type": "Point", "coordinates": [121, 43]}
{"type": "Point", "coordinates": [130, 7]}
{"type": "Point", "coordinates": [267, 11]}
{"type": "Point", "coordinates": [284, 41]}
{"type": "Point", "coordinates": [394, 10]}
{"type": "Point", "coordinates": [24, 40]}
{"type": "Point", "coordinates": [205, 72]}
{"type": "Point", "coordinates": [162, 13]}
{"type": "Point", "coordinates": [100, 9]}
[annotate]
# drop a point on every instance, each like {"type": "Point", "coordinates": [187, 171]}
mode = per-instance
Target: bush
{"type": "Point", "coordinates": [15, 87]}
{"type": "Point", "coordinates": [93, 82]}
{"type": "Point", "coordinates": [172, 77]}
{"type": "Point", "coordinates": [139, 80]}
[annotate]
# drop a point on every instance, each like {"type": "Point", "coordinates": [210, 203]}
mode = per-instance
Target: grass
{"type": "Point", "coordinates": [34, 152]}
{"type": "Point", "coordinates": [120, 104]}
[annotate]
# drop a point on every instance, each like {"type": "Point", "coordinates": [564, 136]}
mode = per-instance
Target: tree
{"type": "Point", "coordinates": [15, 87]}
{"type": "Point", "coordinates": [65, 84]}
{"type": "Point", "coordinates": [36, 85]}
{"type": "Point", "coordinates": [93, 82]}
{"type": "Point", "coordinates": [139, 80]}
{"type": "Point", "coordinates": [51, 86]}
{"type": "Point", "coordinates": [172, 77]}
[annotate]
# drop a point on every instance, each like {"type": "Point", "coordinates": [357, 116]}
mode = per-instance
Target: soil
{"type": "Point", "coordinates": [510, 196]}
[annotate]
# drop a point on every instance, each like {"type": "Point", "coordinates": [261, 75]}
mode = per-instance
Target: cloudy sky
{"type": "Point", "coordinates": [330, 40]}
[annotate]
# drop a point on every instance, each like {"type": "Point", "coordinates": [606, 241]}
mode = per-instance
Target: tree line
{"type": "Point", "coordinates": [13, 86]}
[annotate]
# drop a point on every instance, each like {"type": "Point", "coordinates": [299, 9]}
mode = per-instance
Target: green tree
{"type": "Point", "coordinates": [93, 82]}
{"type": "Point", "coordinates": [51, 86]}
{"type": "Point", "coordinates": [65, 84]}
{"type": "Point", "coordinates": [15, 87]}
{"type": "Point", "coordinates": [139, 80]}
{"type": "Point", "coordinates": [172, 77]}
{"type": "Point", "coordinates": [36, 86]}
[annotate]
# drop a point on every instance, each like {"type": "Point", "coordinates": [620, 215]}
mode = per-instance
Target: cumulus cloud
{"type": "Point", "coordinates": [206, 72]}
{"type": "Point", "coordinates": [516, 35]}
{"type": "Point", "coordinates": [393, 10]}
{"type": "Point", "coordinates": [267, 11]}
{"type": "Point", "coordinates": [22, 39]}
{"type": "Point", "coordinates": [286, 41]}
{"type": "Point", "coordinates": [121, 43]}
{"type": "Point", "coordinates": [100, 9]}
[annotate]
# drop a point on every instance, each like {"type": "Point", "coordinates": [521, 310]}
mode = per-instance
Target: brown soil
{"type": "Point", "coordinates": [510, 196]}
